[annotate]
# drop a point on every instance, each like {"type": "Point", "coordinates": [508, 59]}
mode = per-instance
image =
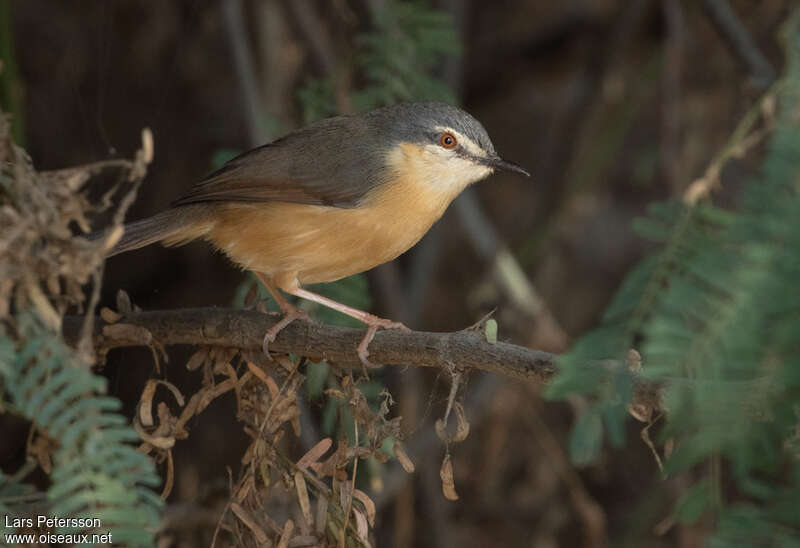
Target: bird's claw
{"type": "Point", "coordinates": [268, 338]}
{"type": "Point", "coordinates": [363, 346]}
{"type": "Point", "coordinates": [289, 315]}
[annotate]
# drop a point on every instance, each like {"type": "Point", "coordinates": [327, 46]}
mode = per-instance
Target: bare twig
{"type": "Point", "coordinates": [137, 169]}
{"type": "Point", "coordinates": [744, 138]}
{"type": "Point", "coordinates": [740, 41]}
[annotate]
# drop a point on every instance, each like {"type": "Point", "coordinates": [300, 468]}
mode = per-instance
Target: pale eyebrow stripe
{"type": "Point", "coordinates": [465, 141]}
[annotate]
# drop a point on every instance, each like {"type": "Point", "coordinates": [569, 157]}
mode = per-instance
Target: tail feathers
{"type": "Point", "coordinates": [176, 226]}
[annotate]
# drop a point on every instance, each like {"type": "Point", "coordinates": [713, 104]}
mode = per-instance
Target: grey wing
{"type": "Point", "coordinates": [321, 164]}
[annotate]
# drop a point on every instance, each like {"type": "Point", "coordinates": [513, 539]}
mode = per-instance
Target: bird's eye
{"type": "Point", "coordinates": [447, 140]}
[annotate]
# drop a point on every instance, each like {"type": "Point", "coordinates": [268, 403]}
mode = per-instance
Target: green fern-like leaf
{"type": "Point", "coordinates": [97, 473]}
{"type": "Point", "coordinates": [715, 314]}
{"type": "Point", "coordinates": [397, 59]}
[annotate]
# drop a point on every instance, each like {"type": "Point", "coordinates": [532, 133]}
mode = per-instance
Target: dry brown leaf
{"type": "Point", "coordinates": [274, 391]}
{"type": "Point", "coordinates": [369, 506]}
{"type": "Point", "coordinates": [446, 474]}
{"type": "Point", "coordinates": [197, 359]}
{"type": "Point", "coordinates": [144, 156]}
{"type": "Point", "coordinates": [170, 477]}
{"type": "Point", "coordinates": [109, 316]}
{"type": "Point", "coordinates": [286, 536]}
{"type": "Point", "coordinates": [462, 424]}
{"type": "Point", "coordinates": [322, 514]}
{"type": "Point", "coordinates": [337, 461]}
{"type": "Point", "coordinates": [209, 395]}
{"type": "Point", "coordinates": [247, 487]}
{"type": "Point", "coordinates": [403, 458]}
{"type": "Point", "coordinates": [462, 428]}
{"type": "Point", "coordinates": [362, 414]}
{"type": "Point", "coordinates": [146, 404]}
{"type": "Point", "coordinates": [258, 372]}
{"type": "Point", "coordinates": [146, 399]}
{"type": "Point", "coordinates": [441, 430]}
{"type": "Point", "coordinates": [641, 412]}
{"type": "Point", "coordinates": [166, 422]}
{"type": "Point", "coordinates": [286, 363]}
{"type": "Point", "coordinates": [286, 410]}
{"type": "Point", "coordinates": [247, 519]}
{"type": "Point", "coordinates": [53, 285]}
{"type": "Point", "coordinates": [113, 237]}
{"type": "Point", "coordinates": [174, 389]}
{"type": "Point", "coordinates": [159, 442]}
{"type": "Point", "coordinates": [234, 378]}
{"type": "Point", "coordinates": [345, 494]}
{"type": "Point", "coordinates": [302, 497]}
{"type": "Point", "coordinates": [124, 302]}
{"type": "Point", "coordinates": [263, 472]}
{"type": "Point", "coordinates": [41, 447]}
{"type": "Point", "coordinates": [188, 411]}
{"type": "Point", "coordinates": [333, 393]}
{"type": "Point", "coordinates": [315, 453]}
{"type": "Point", "coordinates": [44, 309]}
{"type": "Point", "coordinates": [362, 528]}
{"type": "Point", "coordinates": [645, 434]}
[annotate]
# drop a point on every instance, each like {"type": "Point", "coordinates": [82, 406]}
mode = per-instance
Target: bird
{"type": "Point", "coordinates": [334, 198]}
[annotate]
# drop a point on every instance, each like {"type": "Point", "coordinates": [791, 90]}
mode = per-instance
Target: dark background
{"type": "Point", "coordinates": [610, 104]}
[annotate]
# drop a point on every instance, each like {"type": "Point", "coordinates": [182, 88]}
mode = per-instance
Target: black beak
{"type": "Point", "coordinates": [499, 163]}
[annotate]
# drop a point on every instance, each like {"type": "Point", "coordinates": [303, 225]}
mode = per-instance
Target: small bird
{"type": "Point", "coordinates": [332, 199]}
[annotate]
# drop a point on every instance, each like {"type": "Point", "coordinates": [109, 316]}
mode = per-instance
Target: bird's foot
{"type": "Point", "coordinates": [290, 314]}
{"type": "Point", "coordinates": [374, 324]}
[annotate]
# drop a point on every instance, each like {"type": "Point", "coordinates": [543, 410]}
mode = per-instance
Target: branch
{"type": "Point", "coordinates": [244, 329]}
{"type": "Point", "coordinates": [739, 41]}
{"type": "Point", "coordinates": [243, 63]}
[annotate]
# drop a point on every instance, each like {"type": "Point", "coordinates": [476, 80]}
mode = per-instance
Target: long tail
{"type": "Point", "coordinates": [173, 227]}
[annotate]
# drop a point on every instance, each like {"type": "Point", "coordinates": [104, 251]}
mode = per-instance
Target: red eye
{"type": "Point", "coordinates": [448, 140]}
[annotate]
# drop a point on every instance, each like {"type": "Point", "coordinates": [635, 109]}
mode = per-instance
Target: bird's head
{"type": "Point", "coordinates": [446, 145]}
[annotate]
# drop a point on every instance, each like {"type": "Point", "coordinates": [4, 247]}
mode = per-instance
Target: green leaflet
{"type": "Point", "coordinates": [97, 472]}
{"type": "Point", "coordinates": [715, 315]}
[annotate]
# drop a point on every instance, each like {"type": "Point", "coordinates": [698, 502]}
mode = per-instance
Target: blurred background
{"type": "Point", "coordinates": [611, 104]}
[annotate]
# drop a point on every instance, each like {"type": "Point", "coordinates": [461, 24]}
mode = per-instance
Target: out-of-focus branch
{"type": "Point", "coordinates": [746, 135]}
{"type": "Point", "coordinates": [315, 33]}
{"type": "Point", "coordinates": [740, 41]}
{"type": "Point", "coordinates": [507, 271]}
{"type": "Point", "coordinates": [243, 62]}
{"type": "Point", "coordinates": [669, 142]}
{"type": "Point", "coordinates": [321, 45]}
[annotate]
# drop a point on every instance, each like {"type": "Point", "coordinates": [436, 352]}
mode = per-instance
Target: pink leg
{"type": "Point", "coordinates": [290, 312]}
{"type": "Point", "coordinates": [373, 322]}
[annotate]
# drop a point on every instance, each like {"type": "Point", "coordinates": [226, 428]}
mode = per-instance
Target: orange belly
{"type": "Point", "coordinates": [296, 244]}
